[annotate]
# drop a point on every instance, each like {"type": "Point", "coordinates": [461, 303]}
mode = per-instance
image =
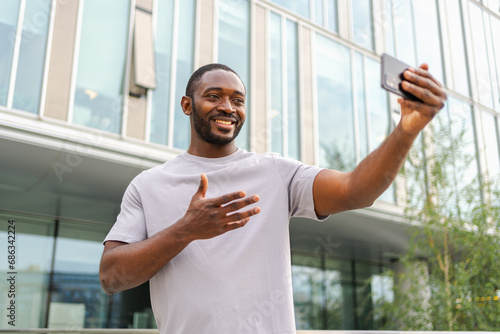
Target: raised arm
{"type": "Point", "coordinates": [336, 191]}
{"type": "Point", "coordinates": [124, 266]}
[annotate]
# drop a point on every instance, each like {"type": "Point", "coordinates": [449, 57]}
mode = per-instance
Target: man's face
{"type": "Point", "coordinates": [218, 107]}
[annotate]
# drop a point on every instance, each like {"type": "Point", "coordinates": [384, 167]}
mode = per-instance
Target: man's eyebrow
{"type": "Point", "coordinates": [220, 89]}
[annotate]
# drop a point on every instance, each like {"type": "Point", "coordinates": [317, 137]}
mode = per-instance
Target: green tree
{"type": "Point", "coordinates": [451, 276]}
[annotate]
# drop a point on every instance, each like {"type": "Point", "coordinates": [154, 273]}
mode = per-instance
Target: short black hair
{"type": "Point", "coordinates": [193, 82]}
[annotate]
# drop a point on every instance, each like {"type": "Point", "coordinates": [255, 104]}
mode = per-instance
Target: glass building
{"type": "Point", "coordinates": [89, 97]}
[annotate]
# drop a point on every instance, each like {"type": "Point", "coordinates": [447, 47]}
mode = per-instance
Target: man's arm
{"type": "Point", "coordinates": [124, 266]}
{"type": "Point", "coordinates": [335, 191]}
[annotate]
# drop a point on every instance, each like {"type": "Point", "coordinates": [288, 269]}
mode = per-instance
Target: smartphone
{"type": "Point", "coordinates": [392, 76]}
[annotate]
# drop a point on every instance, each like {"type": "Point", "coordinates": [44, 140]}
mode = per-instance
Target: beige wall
{"type": "Point", "coordinates": [61, 60]}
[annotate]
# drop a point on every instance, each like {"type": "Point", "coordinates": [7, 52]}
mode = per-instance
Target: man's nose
{"type": "Point", "coordinates": [226, 106]}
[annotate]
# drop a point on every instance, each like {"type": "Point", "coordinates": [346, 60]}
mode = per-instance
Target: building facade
{"type": "Point", "coordinates": [90, 96]}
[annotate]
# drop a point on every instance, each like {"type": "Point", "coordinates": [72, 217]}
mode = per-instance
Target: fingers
{"type": "Point", "coordinates": [423, 85]}
{"type": "Point", "coordinates": [202, 189]}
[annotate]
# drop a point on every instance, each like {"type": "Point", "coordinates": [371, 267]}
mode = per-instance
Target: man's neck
{"type": "Point", "coordinates": [207, 150]}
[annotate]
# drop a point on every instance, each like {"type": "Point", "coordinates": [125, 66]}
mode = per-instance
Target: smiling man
{"type": "Point", "coordinates": [218, 260]}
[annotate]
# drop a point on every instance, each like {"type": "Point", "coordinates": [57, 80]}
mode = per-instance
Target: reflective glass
{"type": "Point", "coordinates": [34, 242]}
{"type": "Point", "coordinates": [481, 56]}
{"type": "Point", "coordinates": [101, 65]}
{"type": "Point", "coordinates": [300, 7]}
{"type": "Point", "coordinates": [276, 112]}
{"type": "Point", "coordinates": [403, 26]}
{"type": "Point", "coordinates": [457, 53]}
{"type": "Point", "coordinates": [293, 103]}
{"type": "Point", "coordinates": [362, 21]}
{"type": "Point", "coordinates": [387, 17]}
{"type": "Point", "coordinates": [163, 61]}
{"type": "Point", "coordinates": [491, 149]}
{"type": "Point", "coordinates": [234, 50]}
{"type": "Point", "coordinates": [32, 56]}
{"type": "Point", "coordinates": [463, 127]}
{"type": "Point", "coordinates": [185, 64]}
{"type": "Point", "coordinates": [318, 12]}
{"type": "Point", "coordinates": [361, 105]}
{"type": "Point", "coordinates": [492, 31]}
{"type": "Point", "coordinates": [332, 15]}
{"type": "Point", "coordinates": [427, 37]}
{"type": "Point", "coordinates": [334, 103]}
{"type": "Point", "coordinates": [9, 11]}
{"type": "Point", "coordinates": [76, 287]}
{"type": "Point", "coordinates": [378, 109]}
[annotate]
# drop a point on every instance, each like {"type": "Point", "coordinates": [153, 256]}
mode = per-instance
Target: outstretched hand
{"type": "Point", "coordinates": [415, 115]}
{"type": "Point", "coordinates": [209, 217]}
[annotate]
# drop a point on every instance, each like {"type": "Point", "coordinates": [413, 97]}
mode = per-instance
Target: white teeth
{"type": "Point", "coordinates": [222, 122]}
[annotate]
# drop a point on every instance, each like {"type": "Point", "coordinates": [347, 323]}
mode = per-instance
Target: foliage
{"type": "Point", "coordinates": [451, 274]}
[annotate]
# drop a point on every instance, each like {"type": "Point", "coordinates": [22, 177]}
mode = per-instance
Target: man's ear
{"type": "Point", "coordinates": [187, 105]}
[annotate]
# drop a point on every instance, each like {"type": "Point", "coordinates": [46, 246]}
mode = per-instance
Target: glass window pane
{"type": "Point", "coordinates": [318, 12]}
{"type": "Point", "coordinates": [101, 64]}
{"type": "Point", "coordinates": [457, 53]}
{"type": "Point", "coordinates": [495, 29]}
{"type": "Point", "coordinates": [334, 103]}
{"type": "Point", "coordinates": [362, 21]}
{"type": "Point", "coordinates": [276, 112]}
{"type": "Point", "coordinates": [481, 56]}
{"type": "Point", "coordinates": [234, 50]}
{"type": "Point", "coordinates": [491, 149]}
{"type": "Point", "coordinates": [76, 276]}
{"type": "Point", "coordinates": [427, 36]}
{"type": "Point", "coordinates": [185, 64]}
{"type": "Point", "coordinates": [387, 17]}
{"type": "Point", "coordinates": [32, 56]}
{"type": "Point", "coordinates": [403, 26]}
{"type": "Point", "coordinates": [9, 11]}
{"type": "Point", "coordinates": [300, 7]}
{"type": "Point", "coordinates": [34, 244]}
{"type": "Point", "coordinates": [163, 59]}
{"type": "Point", "coordinates": [332, 15]}
{"type": "Point", "coordinates": [361, 105]}
{"type": "Point", "coordinates": [293, 103]}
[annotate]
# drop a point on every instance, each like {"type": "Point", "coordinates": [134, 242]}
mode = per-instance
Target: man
{"type": "Point", "coordinates": [218, 260]}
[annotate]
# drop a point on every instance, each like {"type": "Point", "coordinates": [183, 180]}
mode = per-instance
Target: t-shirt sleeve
{"type": "Point", "coordinates": [130, 225]}
{"type": "Point", "coordinates": [299, 178]}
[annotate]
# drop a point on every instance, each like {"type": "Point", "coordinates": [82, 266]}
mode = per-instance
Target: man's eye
{"type": "Point", "coordinates": [213, 96]}
{"type": "Point", "coordinates": [239, 101]}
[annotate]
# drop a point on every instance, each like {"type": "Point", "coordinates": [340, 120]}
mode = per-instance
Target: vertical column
{"type": "Point", "coordinates": [61, 61]}
{"type": "Point", "coordinates": [307, 95]}
{"type": "Point", "coordinates": [205, 32]}
{"type": "Point", "coordinates": [259, 81]}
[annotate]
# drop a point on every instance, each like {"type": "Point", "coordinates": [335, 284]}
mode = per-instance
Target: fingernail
{"type": "Point", "coordinates": [256, 210]}
{"type": "Point", "coordinates": [255, 198]}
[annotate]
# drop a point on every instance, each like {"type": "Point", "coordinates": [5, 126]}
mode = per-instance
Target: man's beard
{"type": "Point", "coordinates": [204, 129]}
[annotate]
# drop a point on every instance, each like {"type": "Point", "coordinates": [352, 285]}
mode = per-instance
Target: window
{"type": "Point", "coordinates": [480, 50]}
{"type": "Point", "coordinates": [184, 69]}
{"type": "Point", "coordinates": [403, 31]}
{"type": "Point", "coordinates": [284, 95]}
{"type": "Point", "coordinates": [143, 55]}
{"type": "Point", "coordinates": [99, 90]}
{"type": "Point", "coordinates": [362, 23]}
{"type": "Point", "coordinates": [427, 36]}
{"type": "Point", "coordinates": [23, 52]}
{"type": "Point", "coordinates": [163, 62]}
{"type": "Point", "coordinates": [300, 7]}
{"type": "Point", "coordinates": [234, 50]}
{"type": "Point", "coordinates": [491, 142]}
{"type": "Point", "coordinates": [9, 11]}
{"type": "Point", "coordinates": [334, 105]}
{"type": "Point", "coordinates": [459, 73]}
{"type": "Point", "coordinates": [174, 60]}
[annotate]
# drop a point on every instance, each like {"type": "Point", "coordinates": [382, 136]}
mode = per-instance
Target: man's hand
{"type": "Point", "coordinates": [415, 115]}
{"type": "Point", "coordinates": [208, 218]}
